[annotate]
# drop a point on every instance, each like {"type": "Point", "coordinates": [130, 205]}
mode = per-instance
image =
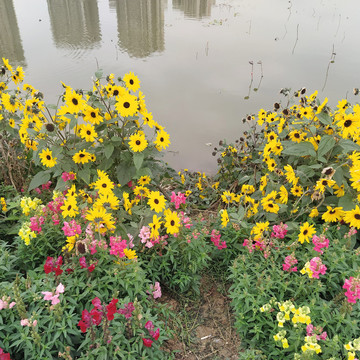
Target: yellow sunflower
{"type": "Point", "coordinates": [156, 201]}
{"type": "Point", "coordinates": [70, 207]}
{"type": "Point", "coordinates": [132, 82]}
{"type": "Point", "coordinates": [306, 232]}
{"type": "Point", "coordinates": [352, 217]}
{"type": "Point", "coordinates": [333, 214]}
{"type": "Point", "coordinates": [92, 115]}
{"type": "Point", "coordinates": [162, 140]}
{"type": "Point", "coordinates": [47, 158]}
{"type": "Point", "coordinates": [87, 132]}
{"type": "Point", "coordinates": [224, 218]}
{"type": "Point", "coordinates": [172, 221]}
{"type": "Point", "coordinates": [126, 105]}
{"type": "Point", "coordinates": [138, 142]}
{"type": "Point", "coordinates": [74, 102]}
{"type": "Point", "coordinates": [103, 185]}
{"type": "Point", "coordinates": [81, 157]}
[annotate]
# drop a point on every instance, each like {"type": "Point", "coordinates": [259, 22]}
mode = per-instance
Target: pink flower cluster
{"type": "Point", "coordinates": [99, 311]}
{"type": "Point", "coordinates": [54, 297]}
{"type": "Point", "coordinates": [352, 286]}
{"type": "Point", "coordinates": [28, 323]}
{"type": "Point", "coordinates": [185, 220]}
{"type": "Point", "coordinates": [317, 267]}
{"type": "Point", "coordinates": [149, 326]}
{"type": "Point", "coordinates": [67, 176]}
{"type": "Point", "coordinates": [5, 303]}
{"type": "Point", "coordinates": [36, 222]}
{"type": "Point", "coordinates": [53, 208]}
{"type": "Point", "coordinates": [318, 331]}
{"type": "Point", "coordinates": [155, 290]}
{"type": "Point", "coordinates": [83, 264]}
{"type": "Point", "coordinates": [320, 242]}
{"type": "Point", "coordinates": [290, 261]}
{"type": "Point", "coordinates": [279, 231]}
{"type": "Point", "coordinates": [215, 238]}
{"type": "Point", "coordinates": [51, 266]}
{"type": "Point", "coordinates": [117, 246]}
{"type": "Point", "coordinates": [145, 238]}
{"type": "Point", "coordinates": [178, 199]}
{"type": "Point", "coordinates": [72, 228]}
{"type": "Point", "coordinates": [45, 186]}
{"type": "Point", "coordinates": [259, 244]}
{"type": "Point", "coordinates": [4, 356]}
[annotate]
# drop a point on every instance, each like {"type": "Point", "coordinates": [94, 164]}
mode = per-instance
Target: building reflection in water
{"type": "Point", "coordinates": [194, 8]}
{"type": "Point", "coordinates": [75, 23]}
{"type": "Point", "coordinates": [140, 26]}
{"type": "Point", "coordinates": [10, 41]}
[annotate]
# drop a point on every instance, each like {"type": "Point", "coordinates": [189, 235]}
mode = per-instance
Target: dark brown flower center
{"type": "Point", "coordinates": [74, 101]}
{"type": "Point", "coordinates": [138, 142]}
{"type": "Point", "coordinates": [347, 123]}
{"type": "Point", "coordinates": [126, 105]}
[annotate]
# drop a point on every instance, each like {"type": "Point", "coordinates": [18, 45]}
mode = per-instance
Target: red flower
{"type": "Point", "coordinates": [82, 262]}
{"type": "Point", "coordinates": [156, 334]}
{"type": "Point", "coordinates": [96, 316]}
{"type": "Point", "coordinates": [147, 342]}
{"type": "Point", "coordinates": [111, 309]}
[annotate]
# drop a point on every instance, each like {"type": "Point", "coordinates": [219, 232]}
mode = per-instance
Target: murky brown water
{"type": "Point", "coordinates": [193, 57]}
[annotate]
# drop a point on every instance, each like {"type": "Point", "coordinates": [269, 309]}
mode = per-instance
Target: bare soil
{"type": "Point", "coordinates": [203, 327]}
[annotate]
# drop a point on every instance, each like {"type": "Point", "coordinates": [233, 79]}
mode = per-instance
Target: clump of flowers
{"type": "Point", "coordinates": [54, 296]}
{"type": "Point", "coordinates": [314, 268]}
{"type": "Point", "coordinates": [5, 303]}
{"type": "Point", "coordinates": [289, 263]}
{"type": "Point", "coordinates": [352, 287]}
{"type": "Point", "coordinates": [279, 231]}
{"type": "Point", "coordinates": [320, 242]}
{"type": "Point", "coordinates": [215, 238]}
{"type": "Point", "coordinates": [53, 266]}
{"type": "Point", "coordinates": [351, 347]}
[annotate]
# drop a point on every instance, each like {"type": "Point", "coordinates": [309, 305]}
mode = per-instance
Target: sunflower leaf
{"type": "Point", "coordinates": [40, 178]}
{"type": "Point", "coordinates": [108, 150]}
{"type": "Point", "coordinates": [348, 145]}
{"type": "Point", "coordinates": [300, 149]}
{"type": "Point", "coordinates": [327, 142]}
{"type": "Point", "coordinates": [324, 118]}
{"type": "Point", "coordinates": [138, 160]}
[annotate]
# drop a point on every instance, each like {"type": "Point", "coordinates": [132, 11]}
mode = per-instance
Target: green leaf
{"type": "Point", "coordinates": [347, 202]}
{"type": "Point", "coordinates": [73, 120]}
{"type": "Point", "coordinates": [84, 174]}
{"type": "Point", "coordinates": [325, 118]}
{"type": "Point", "coordinates": [348, 145]}
{"type": "Point", "coordinates": [99, 74]}
{"type": "Point", "coordinates": [108, 150]}
{"type": "Point", "coordinates": [300, 149]}
{"type": "Point", "coordinates": [40, 178]}
{"type": "Point", "coordinates": [138, 160]}
{"type": "Point", "coordinates": [327, 142]}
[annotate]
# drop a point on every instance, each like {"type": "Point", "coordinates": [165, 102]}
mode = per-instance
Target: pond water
{"type": "Point", "coordinates": [203, 64]}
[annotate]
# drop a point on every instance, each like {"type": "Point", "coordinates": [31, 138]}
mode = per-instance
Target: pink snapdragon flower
{"type": "Point", "coordinates": [117, 246]}
{"type": "Point", "coordinates": [36, 222]}
{"type": "Point", "coordinates": [317, 267]}
{"type": "Point", "coordinates": [178, 199]}
{"type": "Point", "coordinates": [72, 228]}
{"type": "Point", "coordinates": [5, 303]}
{"type": "Point", "coordinates": [127, 310]}
{"type": "Point", "coordinates": [320, 242]}
{"type": "Point", "coordinates": [54, 297]}
{"type": "Point", "coordinates": [289, 263]}
{"type": "Point", "coordinates": [155, 290]}
{"type": "Point", "coordinates": [352, 286]}
{"type": "Point", "coordinates": [215, 238]}
{"type": "Point", "coordinates": [67, 176]}
{"type": "Point", "coordinates": [318, 331]}
{"type": "Point", "coordinates": [279, 231]}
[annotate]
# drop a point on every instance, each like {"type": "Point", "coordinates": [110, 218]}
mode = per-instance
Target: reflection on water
{"type": "Point", "coordinates": [10, 41]}
{"type": "Point", "coordinates": [140, 26]}
{"type": "Point", "coordinates": [75, 23]}
{"type": "Point", "coordinates": [194, 8]}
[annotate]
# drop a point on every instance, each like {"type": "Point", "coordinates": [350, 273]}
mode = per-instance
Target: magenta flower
{"type": "Point", "coordinates": [320, 242]}
{"type": "Point", "coordinates": [156, 290]}
{"type": "Point", "coordinates": [279, 231]}
{"type": "Point", "coordinates": [215, 238]}
{"type": "Point", "coordinates": [147, 342]}
{"type": "Point", "coordinates": [317, 267]}
{"type": "Point", "coordinates": [290, 261]}
{"type": "Point", "coordinates": [178, 199]}
{"type": "Point", "coordinates": [352, 285]}
{"type": "Point", "coordinates": [127, 310]}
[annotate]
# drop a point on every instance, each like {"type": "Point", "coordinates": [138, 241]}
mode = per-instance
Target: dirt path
{"type": "Point", "coordinates": [203, 327]}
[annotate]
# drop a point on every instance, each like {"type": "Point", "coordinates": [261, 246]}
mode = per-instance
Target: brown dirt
{"type": "Point", "coordinates": [203, 328]}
